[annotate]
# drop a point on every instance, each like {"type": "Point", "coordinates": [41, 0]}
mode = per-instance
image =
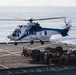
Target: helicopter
{"type": "Point", "coordinates": [33, 31]}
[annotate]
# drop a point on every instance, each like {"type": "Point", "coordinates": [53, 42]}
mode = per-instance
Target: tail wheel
{"type": "Point", "coordinates": [15, 43]}
{"type": "Point", "coordinates": [42, 42]}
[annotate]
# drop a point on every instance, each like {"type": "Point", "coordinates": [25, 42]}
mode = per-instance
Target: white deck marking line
{"type": "Point", "coordinates": [10, 52]}
{"type": "Point", "coordinates": [1, 50]}
{"type": "Point", "coordinates": [4, 66]}
{"type": "Point", "coordinates": [17, 52]}
{"type": "Point", "coordinates": [4, 55]}
{"type": "Point", "coordinates": [43, 46]}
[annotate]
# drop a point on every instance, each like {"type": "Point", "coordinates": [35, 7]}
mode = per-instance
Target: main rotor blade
{"type": "Point", "coordinates": [50, 18]}
{"type": "Point", "coordinates": [31, 19]}
{"type": "Point", "coordinates": [13, 20]}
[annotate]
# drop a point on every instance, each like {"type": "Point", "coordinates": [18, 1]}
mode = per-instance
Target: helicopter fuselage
{"type": "Point", "coordinates": [33, 31]}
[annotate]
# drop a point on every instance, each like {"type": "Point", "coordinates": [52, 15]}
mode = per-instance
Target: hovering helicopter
{"type": "Point", "coordinates": [32, 31]}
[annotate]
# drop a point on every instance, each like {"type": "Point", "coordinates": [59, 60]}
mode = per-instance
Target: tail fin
{"type": "Point", "coordinates": [65, 31]}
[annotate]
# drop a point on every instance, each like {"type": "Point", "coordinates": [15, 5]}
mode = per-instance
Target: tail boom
{"type": "Point", "coordinates": [64, 32]}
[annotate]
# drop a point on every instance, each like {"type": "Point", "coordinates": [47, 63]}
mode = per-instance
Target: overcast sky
{"type": "Point", "coordinates": [37, 2]}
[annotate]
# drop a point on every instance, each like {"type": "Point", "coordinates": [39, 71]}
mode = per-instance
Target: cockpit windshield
{"type": "Point", "coordinates": [16, 33]}
{"type": "Point", "coordinates": [20, 26]}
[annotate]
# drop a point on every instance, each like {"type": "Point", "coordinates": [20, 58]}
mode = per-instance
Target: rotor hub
{"type": "Point", "coordinates": [30, 20]}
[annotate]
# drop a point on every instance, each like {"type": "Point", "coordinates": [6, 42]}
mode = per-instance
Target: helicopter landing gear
{"type": "Point", "coordinates": [15, 43]}
{"type": "Point", "coordinates": [42, 42]}
{"type": "Point", "coordinates": [32, 42]}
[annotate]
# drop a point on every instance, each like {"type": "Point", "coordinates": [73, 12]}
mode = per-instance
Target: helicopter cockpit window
{"type": "Point", "coordinates": [16, 33]}
{"type": "Point", "coordinates": [20, 26]}
{"type": "Point", "coordinates": [18, 30]}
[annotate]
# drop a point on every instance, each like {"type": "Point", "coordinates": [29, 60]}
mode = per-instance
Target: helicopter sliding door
{"type": "Point", "coordinates": [37, 35]}
{"type": "Point", "coordinates": [42, 35]}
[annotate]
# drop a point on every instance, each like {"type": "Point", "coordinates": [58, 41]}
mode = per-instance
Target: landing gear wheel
{"type": "Point", "coordinates": [15, 43]}
{"type": "Point", "coordinates": [32, 42]}
{"type": "Point", "coordinates": [42, 42]}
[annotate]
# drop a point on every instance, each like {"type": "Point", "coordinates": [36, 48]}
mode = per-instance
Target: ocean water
{"type": "Point", "coordinates": [68, 72]}
{"type": "Point", "coordinates": [65, 72]}
{"type": "Point", "coordinates": [39, 12]}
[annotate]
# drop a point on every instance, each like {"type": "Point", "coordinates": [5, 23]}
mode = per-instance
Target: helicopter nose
{"type": "Point", "coordinates": [10, 36]}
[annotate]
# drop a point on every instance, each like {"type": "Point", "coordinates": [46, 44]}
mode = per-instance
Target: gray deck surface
{"type": "Point", "coordinates": [10, 55]}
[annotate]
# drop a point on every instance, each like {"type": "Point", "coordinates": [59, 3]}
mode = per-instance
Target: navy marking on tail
{"type": "Point", "coordinates": [64, 32]}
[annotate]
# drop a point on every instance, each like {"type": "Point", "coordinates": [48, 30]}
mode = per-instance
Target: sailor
{"type": "Point", "coordinates": [24, 52]}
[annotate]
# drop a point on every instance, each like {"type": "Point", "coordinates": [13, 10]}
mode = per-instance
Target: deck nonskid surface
{"type": "Point", "coordinates": [10, 55]}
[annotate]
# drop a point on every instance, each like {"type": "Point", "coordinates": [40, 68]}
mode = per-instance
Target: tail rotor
{"type": "Point", "coordinates": [67, 23]}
